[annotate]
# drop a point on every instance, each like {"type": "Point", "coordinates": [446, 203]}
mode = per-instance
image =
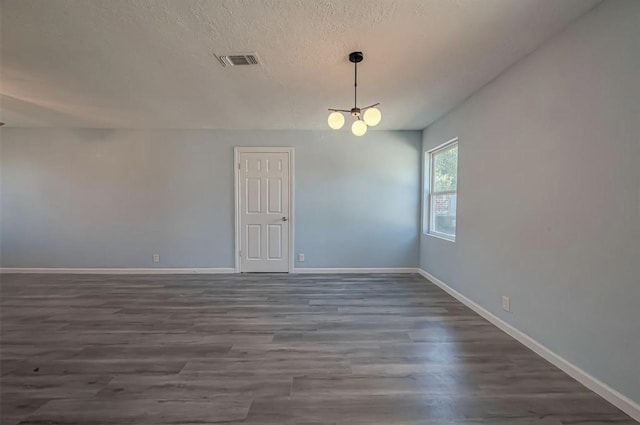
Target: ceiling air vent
{"type": "Point", "coordinates": [240, 59]}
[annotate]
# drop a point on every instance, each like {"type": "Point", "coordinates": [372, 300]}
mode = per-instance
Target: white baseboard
{"type": "Point", "coordinates": [357, 270]}
{"type": "Point", "coordinates": [614, 397]}
{"type": "Point", "coordinates": [219, 270]}
{"type": "Point", "coordinates": [158, 270]}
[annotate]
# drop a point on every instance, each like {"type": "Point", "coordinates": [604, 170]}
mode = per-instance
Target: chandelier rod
{"type": "Point", "coordinates": [355, 85]}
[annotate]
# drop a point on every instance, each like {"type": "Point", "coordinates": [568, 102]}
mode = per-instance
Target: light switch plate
{"type": "Point", "coordinates": [506, 303]}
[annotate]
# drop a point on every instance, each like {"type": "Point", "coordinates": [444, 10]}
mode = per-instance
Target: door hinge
{"type": "Point", "coordinates": [238, 165]}
{"type": "Point", "coordinates": [239, 253]}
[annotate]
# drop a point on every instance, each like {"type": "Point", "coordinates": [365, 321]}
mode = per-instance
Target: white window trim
{"type": "Point", "coordinates": [427, 217]}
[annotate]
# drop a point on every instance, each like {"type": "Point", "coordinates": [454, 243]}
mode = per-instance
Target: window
{"type": "Point", "coordinates": [441, 190]}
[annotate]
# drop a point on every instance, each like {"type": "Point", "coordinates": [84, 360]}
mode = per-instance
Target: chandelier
{"type": "Point", "coordinates": [369, 116]}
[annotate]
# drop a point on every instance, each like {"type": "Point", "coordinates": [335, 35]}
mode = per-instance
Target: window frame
{"type": "Point", "coordinates": [428, 217]}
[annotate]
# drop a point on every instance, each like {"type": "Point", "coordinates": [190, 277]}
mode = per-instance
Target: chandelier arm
{"type": "Point", "coordinates": [370, 106]}
{"type": "Point", "coordinates": [339, 110]}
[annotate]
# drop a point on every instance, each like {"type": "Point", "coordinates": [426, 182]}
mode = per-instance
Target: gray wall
{"type": "Point", "coordinates": [111, 198]}
{"type": "Point", "coordinates": [549, 196]}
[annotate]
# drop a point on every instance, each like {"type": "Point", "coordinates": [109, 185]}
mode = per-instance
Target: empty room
{"type": "Point", "coordinates": [319, 212]}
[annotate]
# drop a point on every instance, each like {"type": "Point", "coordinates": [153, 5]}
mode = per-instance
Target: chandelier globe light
{"type": "Point", "coordinates": [366, 117]}
{"type": "Point", "coordinates": [372, 116]}
{"type": "Point", "coordinates": [359, 128]}
{"type": "Point", "coordinates": [336, 120]}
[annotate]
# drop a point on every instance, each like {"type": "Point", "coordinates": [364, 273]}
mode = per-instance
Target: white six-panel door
{"type": "Point", "coordinates": [264, 222]}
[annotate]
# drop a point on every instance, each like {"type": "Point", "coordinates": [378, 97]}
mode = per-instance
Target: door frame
{"type": "Point", "coordinates": [236, 197]}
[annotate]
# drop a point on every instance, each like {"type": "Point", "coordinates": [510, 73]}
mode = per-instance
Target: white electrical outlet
{"type": "Point", "coordinates": [506, 303]}
{"type": "Point", "coordinates": [156, 258]}
{"type": "Point", "coordinates": [301, 257]}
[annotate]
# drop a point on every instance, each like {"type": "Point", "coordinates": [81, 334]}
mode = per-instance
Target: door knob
{"type": "Point", "coordinates": [285, 219]}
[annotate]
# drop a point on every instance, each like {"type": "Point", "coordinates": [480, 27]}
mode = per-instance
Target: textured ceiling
{"type": "Point", "coordinates": [151, 63]}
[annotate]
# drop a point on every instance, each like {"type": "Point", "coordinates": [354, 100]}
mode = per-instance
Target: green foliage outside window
{"type": "Point", "coordinates": [446, 170]}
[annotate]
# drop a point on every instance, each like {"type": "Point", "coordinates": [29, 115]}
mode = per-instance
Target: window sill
{"type": "Point", "coordinates": [444, 238]}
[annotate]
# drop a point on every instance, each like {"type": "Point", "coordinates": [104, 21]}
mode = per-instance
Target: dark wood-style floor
{"type": "Point", "coordinates": [269, 349]}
